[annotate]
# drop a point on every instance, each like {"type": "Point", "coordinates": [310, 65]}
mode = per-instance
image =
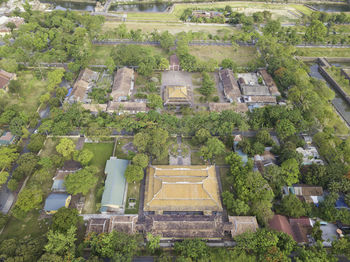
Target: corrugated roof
{"type": "Point", "coordinates": [58, 185]}
{"type": "Point", "coordinates": [55, 201]}
{"type": "Point", "coordinates": [242, 224]}
{"type": "Point", "coordinates": [230, 85]}
{"type": "Point", "coordinates": [280, 223]}
{"type": "Point", "coordinates": [113, 195]}
{"type": "Point", "coordinates": [122, 83]}
{"type": "Point", "coordinates": [6, 138]}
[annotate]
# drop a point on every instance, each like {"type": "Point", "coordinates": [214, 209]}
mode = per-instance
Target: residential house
{"type": "Point", "coordinates": [82, 86]}
{"type": "Point", "coordinates": [174, 63]}
{"type": "Point", "coordinates": [298, 228]}
{"type": "Point", "coordinates": [269, 82]}
{"type": "Point", "coordinates": [126, 107]}
{"type": "Point", "coordinates": [230, 85]}
{"type": "Point", "coordinates": [310, 155]}
{"type": "Point", "coordinates": [4, 20]}
{"type": "Point", "coordinates": [114, 194]}
{"type": "Point", "coordinates": [264, 160]}
{"type": "Point", "coordinates": [177, 95]}
{"type": "Point", "coordinates": [258, 99]}
{"type": "Point", "coordinates": [55, 201]}
{"type": "Point", "coordinates": [123, 84]}
{"type": "Point", "coordinates": [6, 138]}
{"type": "Point", "coordinates": [5, 79]}
{"type": "Point", "coordinates": [95, 108]}
{"type": "Point", "coordinates": [205, 14]}
{"type": "Point", "coordinates": [309, 194]}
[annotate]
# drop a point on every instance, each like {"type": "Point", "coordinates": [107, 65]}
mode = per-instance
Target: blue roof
{"type": "Point", "coordinates": [340, 203]}
{"type": "Point", "coordinates": [69, 91]}
{"type": "Point", "coordinates": [115, 184]}
{"type": "Point", "coordinates": [55, 201]}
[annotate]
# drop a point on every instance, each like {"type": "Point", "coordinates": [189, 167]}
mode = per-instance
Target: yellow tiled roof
{"type": "Point", "coordinates": [182, 188]}
{"type": "Point", "coordinates": [177, 91]}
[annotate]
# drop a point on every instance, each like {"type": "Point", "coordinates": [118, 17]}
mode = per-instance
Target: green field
{"type": "Point", "coordinates": [241, 55]}
{"type": "Point", "coordinates": [323, 52]}
{"type": "Point", "coordinates": [31, 90]}
{"type": "Point", "coordinates": [102, 152]}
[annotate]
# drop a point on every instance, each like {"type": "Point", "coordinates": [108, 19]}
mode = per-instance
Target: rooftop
{"type": "Point", "coordinates": [182, 188]}
{"type": "Point", "coordinates": [5, 78]}
{"type": "Point", "coordinates": [174, 94]}
{"type": "Point", "coordinates": [55, 201]}
{"type": "Point", "coordinates": [115, 184]}
{"type": "Point", "coordinates": [123, 83]}
{"type": "Point", "coordinates": [231, 89]}
{"type": "Point", "coordinates": [242, 224]}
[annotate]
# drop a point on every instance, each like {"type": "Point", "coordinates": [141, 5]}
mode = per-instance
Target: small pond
{"type": "Point", "coordinates": [62, 5]}
{"type": "Point", "coordinates": [146, 7]}
{"type": "Point", "coordinates": [331, 7]}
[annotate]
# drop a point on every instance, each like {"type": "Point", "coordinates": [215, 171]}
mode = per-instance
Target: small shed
{"type": "Point", "coordinates": [55, 201]}
{"type": "Point", "coordinates": [6, 138]}
{"type": "Point", "coordinates": [113, 198]}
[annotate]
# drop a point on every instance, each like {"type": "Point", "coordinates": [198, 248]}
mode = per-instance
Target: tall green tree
{"type": "Point", "coordinates": [66, 148]}
{"type": "Point", "coordinates": [81, 181]}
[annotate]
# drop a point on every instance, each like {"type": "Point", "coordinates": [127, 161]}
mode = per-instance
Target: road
{"type": "Point", "coordinates": [6, 196]}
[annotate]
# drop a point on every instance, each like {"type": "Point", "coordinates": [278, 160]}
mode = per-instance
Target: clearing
{"type": "Point", "coordinates": [102, 152]}
{"type": "Point", "coordinates": [241, 55]}
{"type": "Point", "coordinates": [323, 52]}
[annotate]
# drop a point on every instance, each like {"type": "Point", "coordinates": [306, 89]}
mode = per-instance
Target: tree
{"type": "Point", "coordinates": [81, 181]}
{"type": "Point", "coordinates": [9, 65]}
{"type": "Point", "coordinates": [290, 171]}
{"type": "Point", "coordinates": [61, 93]}
{"type": "Point", "coordinates": [12, 184]}
{"type": "Point", "coordinates": [315, 32]}
{"type": "Point", "coordinates": [41, 176]}
{"type": "Point", "coordinates": [7, 156]}
{"type": "Point", "coordinates": [201, 137]}
{"type": "Point", "coordinates": [234, 206]}
{"type": "Point", "coordinates": [61, 243]}
{"type": "Point", "coordinates": [166, 40]}
{"type": "Point", "coordinates": [228, 63]}
{"type": "Point", "coordinates": [263, 136]}
{"type": "Point", "coordinates": [85, 156]}
{"type": "Point", "coordinates": [54, 78]}
{"type": "Point", "coordinates": [117, 245]}
{"type": "Point", "coordinates": [285, 128]}
{"type": "Point", "coordinates": [16, 126]}
{"type": "Point", "coordinates": [214, 147]}
{"type": "Point", "coordinates": [36, 143]}
{"type": "Point", "coordinates": [194, 249]}
{"type": "Point", "coordinates": [153, 243]}
{"type": "Point", "coordinates": [154, 101]}
{"type": "Point", "coordinates": [291, 206]}
{"type": "Point", "coordinates": [110, 64]}
{"type": "Point", "coordinates": [3, 177]}
{"type": "Point", "coordinates": [133, 173]}
{"type": "Point", "coordinates": [66, 148]}
{"type": "Point", "coordinates": [208, 86]}
{"type": "Point", "coordinates": [28, 200]}
{"type": "Point", "coordinates": [341, 247]}
{"type": "Point", "coordinates": [316, 231]}
{"type": "Point", "coordinates": [163, 64]}
{"type": "Point", "coordinates": [140, 160]}
{"type": "Point", "coordinates": [64, 218]}
{"type": "Point", "coordinates": [14, 86]}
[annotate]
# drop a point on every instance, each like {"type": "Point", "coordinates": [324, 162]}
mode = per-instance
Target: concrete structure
{"type": "Point", "coordinates": [5, 79]}
{"type": "Point", "coordinates": [126, 107]}
{"type": "Point", "coordinates": [55, 201]}
{"type": "Point", "coordinates": [242, 224]}
{"type": "Point", "coordinates": [4, 20]}
{"type": "Point", "coordinates": [310, 155]}
{"type": "Point", "coordinates": [123, 84]}
{"type": "Point", "coordinates": [177, 95]}
{"type": "Point", "coordinates": [182, 189]}
{"type": "Point", "coordinates": [174, 63]}
{"type": "Point", "coordinates": [113, 198]}
{"type": "Point", "coordinates": [82, 86]}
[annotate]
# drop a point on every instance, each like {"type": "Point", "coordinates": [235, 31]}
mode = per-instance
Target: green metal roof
{"type": "Point", "coordinates": [115, 184]}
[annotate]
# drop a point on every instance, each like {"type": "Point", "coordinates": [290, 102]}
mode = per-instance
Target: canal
{"type": "Point", "coordinates": [338, 102]}
{"type": "Point", "coordinates": [329, 8]}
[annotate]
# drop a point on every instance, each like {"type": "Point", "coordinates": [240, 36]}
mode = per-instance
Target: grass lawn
{"type": "Point", "coordinates": [335, 72]}
{"type": "Point", "coordinates": [161, 161]}
{"type": "Point", "coordinates": [31, 90]}
{"type": "Point", "coordinates": [196, 159]}
{"type": "Point", "coordinates": [173, 28]}
{"type": "Point", "coordinates": [102, 152]}
{"type": "Point", "coordinates": [31, 226]}
{"type": "Point", "coordinates": [149, 16]}
{"type": "Point", "coordinates": [224, 181]}
{"type": "Point", "coordinates": [49, 148]}
{"type": "Point", "coordinates": [119, 149]}
{"type": "Point", "coordinates": [241, 55]}
{"type": "Point", "coordinates": [133, 192]}
{"type": "Point", "coordinates": [324, 52]}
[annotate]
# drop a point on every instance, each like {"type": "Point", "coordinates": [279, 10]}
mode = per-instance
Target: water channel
{"type": "Point", "coordinates": [331, 7]}
{"type": "Point", "coordinates": [84, 6]}
{"type": "Point", "coordinates": [338, 102]}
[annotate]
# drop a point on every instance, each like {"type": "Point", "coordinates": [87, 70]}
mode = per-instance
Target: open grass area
{"type": "Point", "coordinates": [323, 52]}
{"type": "Point", "coordinates": [149, 16]}
{"type": "Point", "coordinates": [30, 226]}
{"type": "Point", "coordinates": [102, 152]}
{"type": "Point", "coordinates": [335, 72]}
{"type": "Point", "coordinates": [241, 55]}
{"type": "Point", "coordinates": [133, 193]}
{"type": "Point", "coordinates": [49, 148]}
{"type": "Point", "coordinates": [174, 28]}
{"type": "Point", "coordinates": [119, 149]}
{"type": "Point", "coordinates": [31, 90]}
